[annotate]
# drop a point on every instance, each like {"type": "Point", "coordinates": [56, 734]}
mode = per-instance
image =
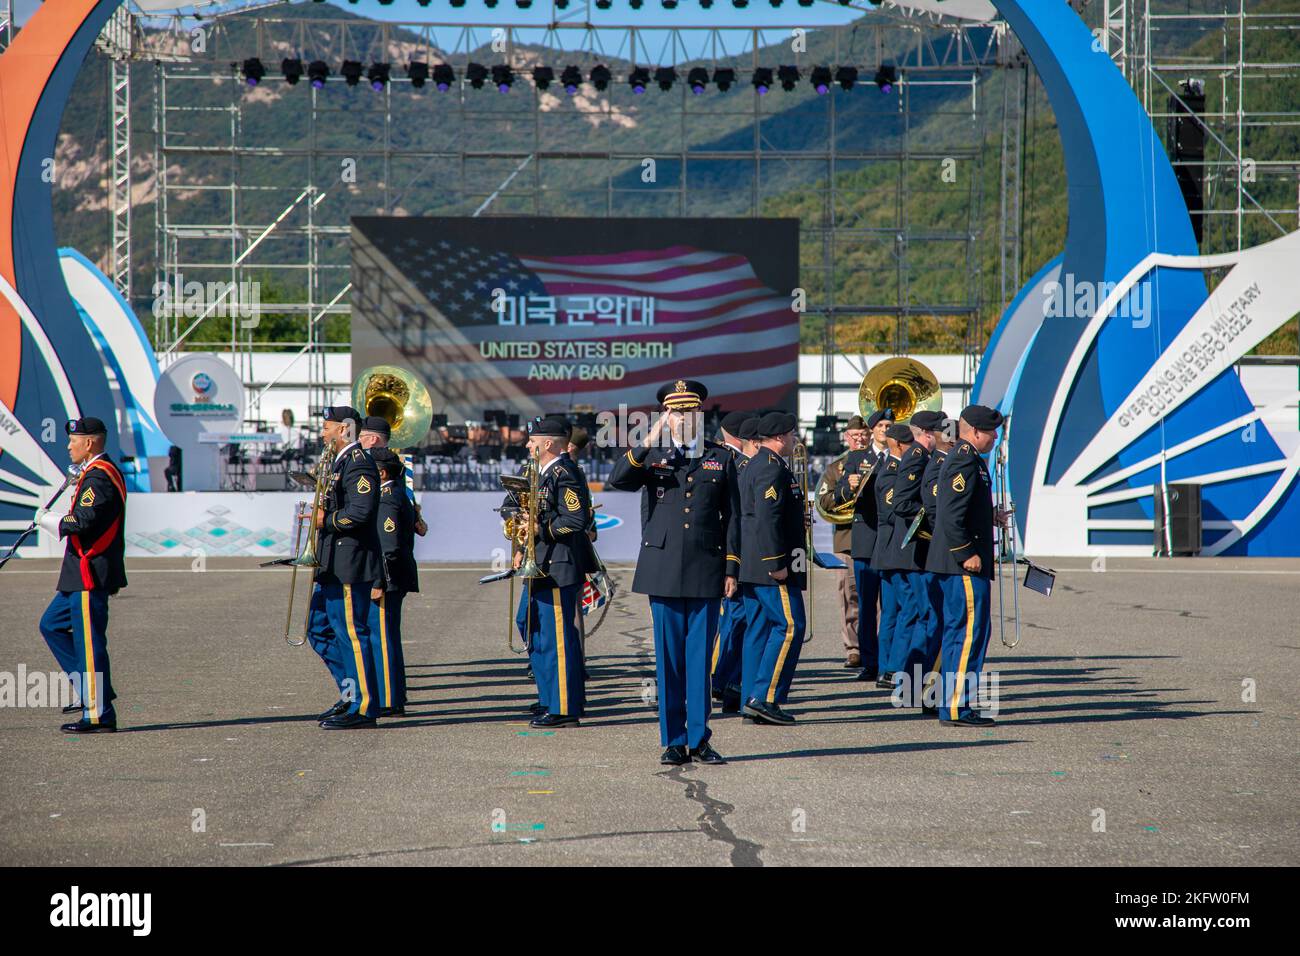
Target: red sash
{"type": "Point", "coordinates": [104, 540]}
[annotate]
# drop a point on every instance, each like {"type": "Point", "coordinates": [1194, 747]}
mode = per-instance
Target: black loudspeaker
{"type": "Point", "coordinates": [1184, 520]}
{"type": "Point", "coordinates": [1185, 141]}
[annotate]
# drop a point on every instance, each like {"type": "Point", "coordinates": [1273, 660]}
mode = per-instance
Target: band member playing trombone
{"type": "Point", "coordinates": [395, 520]}
{"type": "Point", "coordinates": [961, 555]}
{"type": "Point", "coordinates": [350, 564]}
{"type": "Point", "coordinates": [548, 613]}
{"type": "Point", "coordinates": [690, 536]}
{"type": "Point", "coordinates": [773, 571]}
{"type": "Point", "coordinates": [75, 625]}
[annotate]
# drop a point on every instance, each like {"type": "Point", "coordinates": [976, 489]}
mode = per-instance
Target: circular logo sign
{"type": "Point", "coordinates": [203, 385]}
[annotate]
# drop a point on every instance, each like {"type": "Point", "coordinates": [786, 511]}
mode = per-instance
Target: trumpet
{"type": "Point", "coordinates": [799, 465]}
{"type": "Point", "coordinates": [304, 520]}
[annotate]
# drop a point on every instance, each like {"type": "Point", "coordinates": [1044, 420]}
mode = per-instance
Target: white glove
{"type": "Point", "coordinates": [48, 522]}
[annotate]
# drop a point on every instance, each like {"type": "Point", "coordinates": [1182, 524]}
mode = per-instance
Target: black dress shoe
{"type": "Point", "coordinates": [731, 702]}
{"type": "Point", "coordinates": [339, 708]}
{"type": "Point", "coordinates": [675, 756]}
{"type": "Point", "coordinates": [392, 712]}
{"type": "Point", "coordinates": [73, 709]}
{"type": "Point", "coordinates": [931, 711]}
{"type": "Point", "coordinates": [551, 721]}
{"type": "Point", "coordinates": [347, 722]}
{"type": "Point", "coordinates": [704, 753]}
{"type": "Point", "coordinates": [866, 674]}
{"type": "Point", "coordinates": [767, 713]}
{"type": "Point", "coordinates": [536, 709]}
{"type": "Point", "coordinates": [885, 681]}
{"type": "Point", "coordinates": [530, 672]}
{"type": "Point", "coordinates": [718, 693]}
{"type": "Point", "coordinates": [84, 726]}
{"type": "Point", "coordinates": [970, 720]}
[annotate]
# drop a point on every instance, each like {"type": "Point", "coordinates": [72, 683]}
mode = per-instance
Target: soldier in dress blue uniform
{"type": "Point", "coordinates": [728, 651]}
{"type": "Point", "coordinates": [862, 541]}
{"type": "Point", "coordinates": [925, 653]}
{"type": "Point", "coordinates": [773, 571]}
{"type": "Point", "coordinates": [896, 613]}
{"type": "Point", "coordinates": [961, 555]}
{"type": "Point", "coordinates": [75, 625]}
{"type": "Point", "coordinates": [690, 536]}
{"type": "Point", "coordinates": [395, 521]}
{"type": "Point", "coordinates": [547, 616]}
{"type": "Point", "coordinates": [350, 564]}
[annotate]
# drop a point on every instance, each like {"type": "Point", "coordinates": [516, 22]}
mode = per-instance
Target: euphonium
{"type": "Point", "coordinates": [307, 557]}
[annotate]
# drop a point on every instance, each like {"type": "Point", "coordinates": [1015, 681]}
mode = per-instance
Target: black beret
{"type": "Point", "coordinates": [775, 424]}
{"type": "Point", "coordinates": [930, 421]}
{"type": "Point", "coordinates": [854, 421]}
{"type": "Point", "coordinates": [85, 426]}
{"type": "Point", "coordinates": [732, 421]}
{"type": "Point", "coordinates": [982, 417]}
{"type": "Point", "coordinates": [379, 425]}
{"type": "Point", "coordinates": [900, 433]}
{"type": "Point", "coordinates": [552, 426]}
{"type": "Point", "coordinates": [878, 415]}
{"type": "Point", "coordinates": [341, 413]}
{"type": "Point", "coordinates": [384, 456]}
{"type": "Point", "coordinates": [748, 429]}
{"type": "Point", "coordinates": [683, 395]}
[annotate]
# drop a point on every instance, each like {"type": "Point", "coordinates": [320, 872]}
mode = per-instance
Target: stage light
{"type": "Point", "coordinates": [291, 70]}
{"type": "Point", "coordinates": [821, 79]}
{"type": "Point", "coordinates": [490, 4]}
{"type": "Point", "coordinates": [600, 76]}
{"type": "Point", "coordinates": [542, 77]}
{"type": "Point", "coordinates": [665, 76]}
{"type": "Point", "coordinates": [762, 80]}
{"type": "Point", "coordinates": [253, 71]}
{"type": "Point", "coordinates": [458, 3]}
{"type": "Point", "coordinates": [604, 4]}
{"type": "Point", "coordinates": [476, 73]}
{"type": "Point", "coordinates": [443, 77]}
{"type": "Point", "coordinates": [317, 72]}
{"type": "Point", "coordinates": [846, 76]}
{"type": "Point", "coordinates": [638, 79]}
{"type": "Point", "coordinates": [523, 4]}
{"type": "Point", "coordinates": [723, 78]}
{"type": "Point", "coordinates": [561, 4]}
{"type": "Point", "coordinates": [789, 76]}
{"type": "Point", "coordinates": [503, 77]}
{"type": "Point", "coordinates": [806, 3]}
{"type": "Point", "coordinates": [418, 72]}
{"type": "Point", "coordinates": [886, 77]}
{"type": "Point", "coordinates": [705, 4]}
{"type": "Point", "coordinates": [378, 76]}
{"type": "Point", "coordinates": [351, 71]}
{"type": "Point", "coordinates": [740, 3]}
{"type": "Point", "coordinates": [670, 4]}
{"type": "Point", "coordinates": [776, 3]}
{"type": "Point", "coordinates": [635, 4]}
{"type": "Point", "coordinates": [698, 79]}
{"type": "Point", "coordinates": [572, 79]}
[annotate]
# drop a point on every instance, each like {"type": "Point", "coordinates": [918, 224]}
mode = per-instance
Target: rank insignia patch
{"type": "Point", "coordinates": [571, 500]}
{"type": "Point", "coordinates": [770, 493]}
{"type": "Point", "coordinates": [363, 485]}
{"type": "Point", "coordinates": [889, 496]}
{"type": "Point", "coordinates": [389, 525]}
{"type": "Point", "coordinates": [959, 483]}
{"type": "Point", "coordinates": [87, 497]}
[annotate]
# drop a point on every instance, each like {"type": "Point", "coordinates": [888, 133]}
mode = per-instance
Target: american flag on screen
{"type": "Point", "coordinates": [607, 328]}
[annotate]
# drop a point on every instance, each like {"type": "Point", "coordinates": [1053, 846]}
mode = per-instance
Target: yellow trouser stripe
{"type": "Point", "coordinates": [383, 643]}
{"type": "Point", "coordinates": [356, 650]}
{"type": "Point", "coordinates": [965, 648]}
{"type": "Point", "coordinates": [717, 639]}
{"type": "Point", "coordinates": [90, 701]}
{"type": "Point", "coordinates": [557, 603]}
{"type": "Point", "coordinates": [785, 646]}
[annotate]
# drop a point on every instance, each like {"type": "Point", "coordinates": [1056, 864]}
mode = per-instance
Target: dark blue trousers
{"type": "Point", "coordinates": [777, 621]}
{"type": "Point", "coordinates": [868, 582]}
{"type": "Point", "coordinates": [729, 651]}
{"type": "Point", "coordinates": [385, 625]}
{"type": "Point", "coordinates": [75, 626]}
{"type": "Point", "coordinates": [888, 620]}
{"type": "Point", "coordinates": [555, 648]}
{"type": "Point", "coordinates": [339, 632]}
{"type": "Point", "coordinates": [684, 629]}
{"type": "Point", "coordinates": [897, 622]}
{"type": "Point", "coordinates": [927, 632]}
{"type": "Point", "coordinates": [966, 630]}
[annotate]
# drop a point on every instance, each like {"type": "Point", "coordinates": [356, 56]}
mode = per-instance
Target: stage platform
{"type": "Point", "coordinates": [1124, 698]}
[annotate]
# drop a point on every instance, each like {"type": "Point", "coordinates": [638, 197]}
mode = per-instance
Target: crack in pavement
{"type": "Point", "coordinates": [712, 824]}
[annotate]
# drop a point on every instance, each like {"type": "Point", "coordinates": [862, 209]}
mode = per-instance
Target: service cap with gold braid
{"type": "Point", "coordinates": [683, 395]}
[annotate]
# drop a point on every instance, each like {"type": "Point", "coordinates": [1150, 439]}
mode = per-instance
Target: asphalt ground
{"type": "Point", "coordinates": [1147, 717]}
